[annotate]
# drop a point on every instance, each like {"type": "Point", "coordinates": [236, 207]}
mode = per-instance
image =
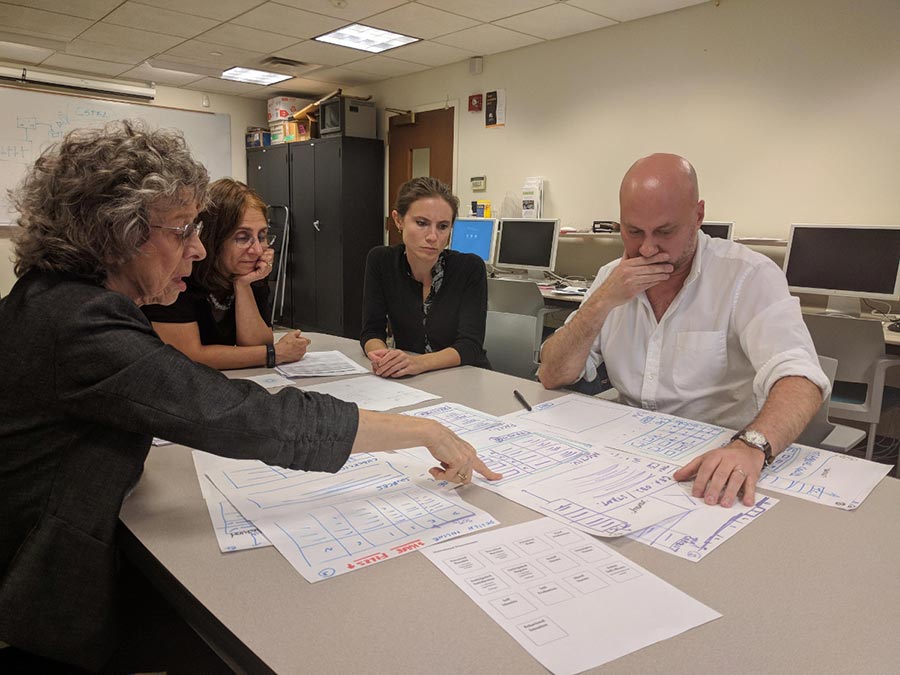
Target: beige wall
{"type": "Point", "coordinates": [788, 110]}
{"type": "Point", "coordinates": [244, 112]}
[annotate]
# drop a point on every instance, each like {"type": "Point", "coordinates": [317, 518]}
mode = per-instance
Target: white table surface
{"type": "Point", "coordinates": [803, 589]}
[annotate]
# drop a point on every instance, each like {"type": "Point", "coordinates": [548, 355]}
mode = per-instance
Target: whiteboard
{"type": "Point", "coordinates": [30, 121]}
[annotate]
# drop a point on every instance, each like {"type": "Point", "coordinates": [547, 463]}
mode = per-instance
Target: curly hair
{"type": "Point", "coordinates": [228, 201]}
{"type": "Point", "coordinates": [423, 188]}
{"type": "Point", "coordinates": [84, 205]}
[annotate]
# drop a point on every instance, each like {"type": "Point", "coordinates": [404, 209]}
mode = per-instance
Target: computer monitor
{"type": "Point", "coordinates": [717, 229]}
{"type": "Point", "coordinates": [475, 235]}
{"type": "Point", "coordinates": [527, 243]}
{"type": "Point", "coordinates": [844, 262]}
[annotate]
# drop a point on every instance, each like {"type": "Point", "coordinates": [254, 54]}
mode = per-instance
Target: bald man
{"type": "Point", "coordinates": [696, 327]}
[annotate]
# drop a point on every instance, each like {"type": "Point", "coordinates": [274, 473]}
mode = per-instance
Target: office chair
{"type": "Point", "coordinates": [822, 432]}
{"type": "Point", "coordinates": [859, 393]}
{"type": "Point", "coordinates": [514, 328]}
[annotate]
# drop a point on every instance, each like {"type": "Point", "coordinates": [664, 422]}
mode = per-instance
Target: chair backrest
{"type": "Point", "coordinates": [512, 342]}
{"type": "Point", "coordinates": [515, 297]}
{"type": "Point", "coordinates": [819, 427]}
{"type": "Point", "coordinates": [856, 344]}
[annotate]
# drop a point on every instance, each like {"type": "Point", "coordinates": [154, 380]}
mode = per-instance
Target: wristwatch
{"type": "Point", "coordinates": [755, 440]}
{"type": "Point", "coordinates": [270, 356]}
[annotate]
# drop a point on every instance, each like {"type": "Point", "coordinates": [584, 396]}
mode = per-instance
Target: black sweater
{"type": "Point", "coordinates": [457, 315]}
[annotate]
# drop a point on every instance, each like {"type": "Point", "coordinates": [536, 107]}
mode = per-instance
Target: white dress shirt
{"type": "Point", "coordinates": [730, 334]}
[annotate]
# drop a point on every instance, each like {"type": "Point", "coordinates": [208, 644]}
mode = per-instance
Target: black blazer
{"type": "Point", "coordinates": [85, 384]}
{"type": "Point", "coordinates": [458, 312]}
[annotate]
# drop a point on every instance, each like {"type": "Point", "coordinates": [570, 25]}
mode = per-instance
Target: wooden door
{"type": "Point", "coordinates": [423, 148]}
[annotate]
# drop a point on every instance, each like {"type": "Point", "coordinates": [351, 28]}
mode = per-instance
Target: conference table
{"type": "Point", "coordinates": [804, 588]}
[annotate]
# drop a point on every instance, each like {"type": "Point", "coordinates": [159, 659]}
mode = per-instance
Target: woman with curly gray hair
{"type": "Point", "coordinates": [109, 223]}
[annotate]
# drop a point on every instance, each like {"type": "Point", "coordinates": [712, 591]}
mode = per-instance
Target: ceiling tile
{"type": "Point", "coordinates": [487, 11]}
{"type": "Point", "coordinates": [212, 54]}
{"type": "Point", "coordinates": [86, 9]}
{"type": "Point", "coordinates": [430, 53]}
{"type": "Point", "coordinates": [383, 65]}
{"type": "Point", "coordinates": [118, 53]}
{"type": "Point", "coordinates": [311, 51]}
{"type": "Point", "coordinates": [245, 37]}
{"type": "Point", "coordinates": [164, 21]}
{"type": "Point", "coordinates": [352, 12]}
{"type": "Point", "coordinates": [109, 34]}
{"type": "Point", "coordinates": [487, 39]}
{"type": "Point", "coordinates": [288, 21]}
{"type": "Point", "coordinates": [86, 65]}
{"type": "Point", "coordinates": [555, 21]}
{"type": "Point", "coordinates": [626, 10]}
{"type": "Point", "coordinates": [23, 53]}
{"type": "Point", "coordinates": [13, 17]}
{"type": "Point", "coordinates": [218, 86]}
{"type": "Point", "coordinates": [419, 21]}
{"type": "Point", "coordinates": [300, 85]}
{"type": "Point", "coordinates": [148, 73]}
{"type": "Point", "coordinates": [212, 9]}
{"type": "Point", "coordinates": [344, 77]}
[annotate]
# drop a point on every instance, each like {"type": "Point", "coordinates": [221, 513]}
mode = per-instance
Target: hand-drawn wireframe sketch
{"type": "Point", "coordinates": [373, 509]}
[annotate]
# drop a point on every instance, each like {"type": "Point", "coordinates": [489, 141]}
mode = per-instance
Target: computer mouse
{"type": "Point", "coordinates": [894, 327]}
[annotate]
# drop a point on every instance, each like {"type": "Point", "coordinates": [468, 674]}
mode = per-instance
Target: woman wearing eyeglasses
{"type": "Point", "coordinates": [219, 320]}
{"type": "Point", "coordinates": [109, 224]}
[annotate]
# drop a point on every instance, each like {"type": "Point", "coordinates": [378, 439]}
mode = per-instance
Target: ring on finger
{"type": "Point", "coordinates": [462, 476]}
{"type": "Point", "coordinates": [739, 470]}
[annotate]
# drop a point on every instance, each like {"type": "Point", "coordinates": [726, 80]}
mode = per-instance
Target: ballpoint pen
{"type": "Point", "coordinates": [521, 399]}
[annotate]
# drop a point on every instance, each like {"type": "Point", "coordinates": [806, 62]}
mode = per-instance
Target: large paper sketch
{"type": "Point", "coordinates": [608, 494]}
{"type": "Point", "coordinates": [373, 509]}
{"type": "Point", "coordinates": [233, 531]}
{"type": "Point", "coordinates": [570, 601]}
{"type": "Point", "coordinates": [322, 364]}
{"type": "Point", "coordinates": [604, 424]}
{"type": "Point", "coordinates": [373, 393]}
{"type": "Point", "coordinates": [823, 477]}
{"type": "Point", "coordinates": [697, 532]}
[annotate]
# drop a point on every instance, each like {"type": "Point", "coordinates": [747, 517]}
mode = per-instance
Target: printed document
{"type": "Point", "coordinates": [373, 393]}
{"type": "Point", "coordinates": [322, 364]}
{"type": "Point", "coordinates": [572, 602]}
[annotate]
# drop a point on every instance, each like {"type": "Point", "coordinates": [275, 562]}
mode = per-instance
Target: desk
{"type": "Point", "coordinates": [804, 588]}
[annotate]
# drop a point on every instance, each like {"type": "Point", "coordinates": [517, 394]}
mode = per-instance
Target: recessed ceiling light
{"type": "Point", "coordinates": [254, 76]}
{"type": "Point", "coordinates": [357, 36]}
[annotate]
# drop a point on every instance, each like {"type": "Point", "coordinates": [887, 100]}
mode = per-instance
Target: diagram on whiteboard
{"type": "Point", "coordinates": [32, 121]}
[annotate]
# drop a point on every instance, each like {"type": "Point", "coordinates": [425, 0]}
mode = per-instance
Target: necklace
{"type": "Point", "coordinates": [221, 306]}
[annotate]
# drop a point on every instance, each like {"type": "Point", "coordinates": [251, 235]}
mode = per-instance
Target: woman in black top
{"type": "Point", "coordinates": [218, 320]}
{"type": "Point", "coordinates": [434, 299]}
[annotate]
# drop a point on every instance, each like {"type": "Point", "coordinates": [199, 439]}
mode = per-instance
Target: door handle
{"type": "Point", "coordinates": [316, 225]}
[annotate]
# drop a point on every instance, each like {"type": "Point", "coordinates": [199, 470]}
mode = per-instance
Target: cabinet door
{"type": "Point", "coordinates": [268, 174]}
{"type": "Point", "coordinates": [303, 236]}
{"type": "Point", "coordinates": [329, 237]}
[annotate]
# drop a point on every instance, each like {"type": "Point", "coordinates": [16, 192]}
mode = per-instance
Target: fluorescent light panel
{"type": "Point", "coordinates": [254, 76]}
{"type": "Point", "coordinates": [365, 38]}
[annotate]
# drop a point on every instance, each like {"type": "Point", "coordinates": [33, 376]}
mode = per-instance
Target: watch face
{"type": "Point", "coordinates": [755, 437]}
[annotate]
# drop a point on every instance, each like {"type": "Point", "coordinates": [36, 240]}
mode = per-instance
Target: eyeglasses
{"type": "Point", "coordinates": [185, 231]}
{"type": "Point", "coordinates": [244, 240]}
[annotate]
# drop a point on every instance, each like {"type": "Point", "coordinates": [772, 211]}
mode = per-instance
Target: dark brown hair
{"type": "Point", "coordinates": [423, 188]}
{"type": "Point", "coordinates": [229, 200]}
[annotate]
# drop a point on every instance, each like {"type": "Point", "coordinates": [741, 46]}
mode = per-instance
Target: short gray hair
{"type": "Point", "coordinates": [84, 205]}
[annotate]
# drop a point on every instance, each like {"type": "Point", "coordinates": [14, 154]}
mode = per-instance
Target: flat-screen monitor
{"type": "Point", "coordinates": [717, 229]}
{"type": "Point", "coordinates": [527, 243]}
{"type": "Point", "coordinates": [475, 235]}
{"type": "Point", "coordinates": [844, 261]}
